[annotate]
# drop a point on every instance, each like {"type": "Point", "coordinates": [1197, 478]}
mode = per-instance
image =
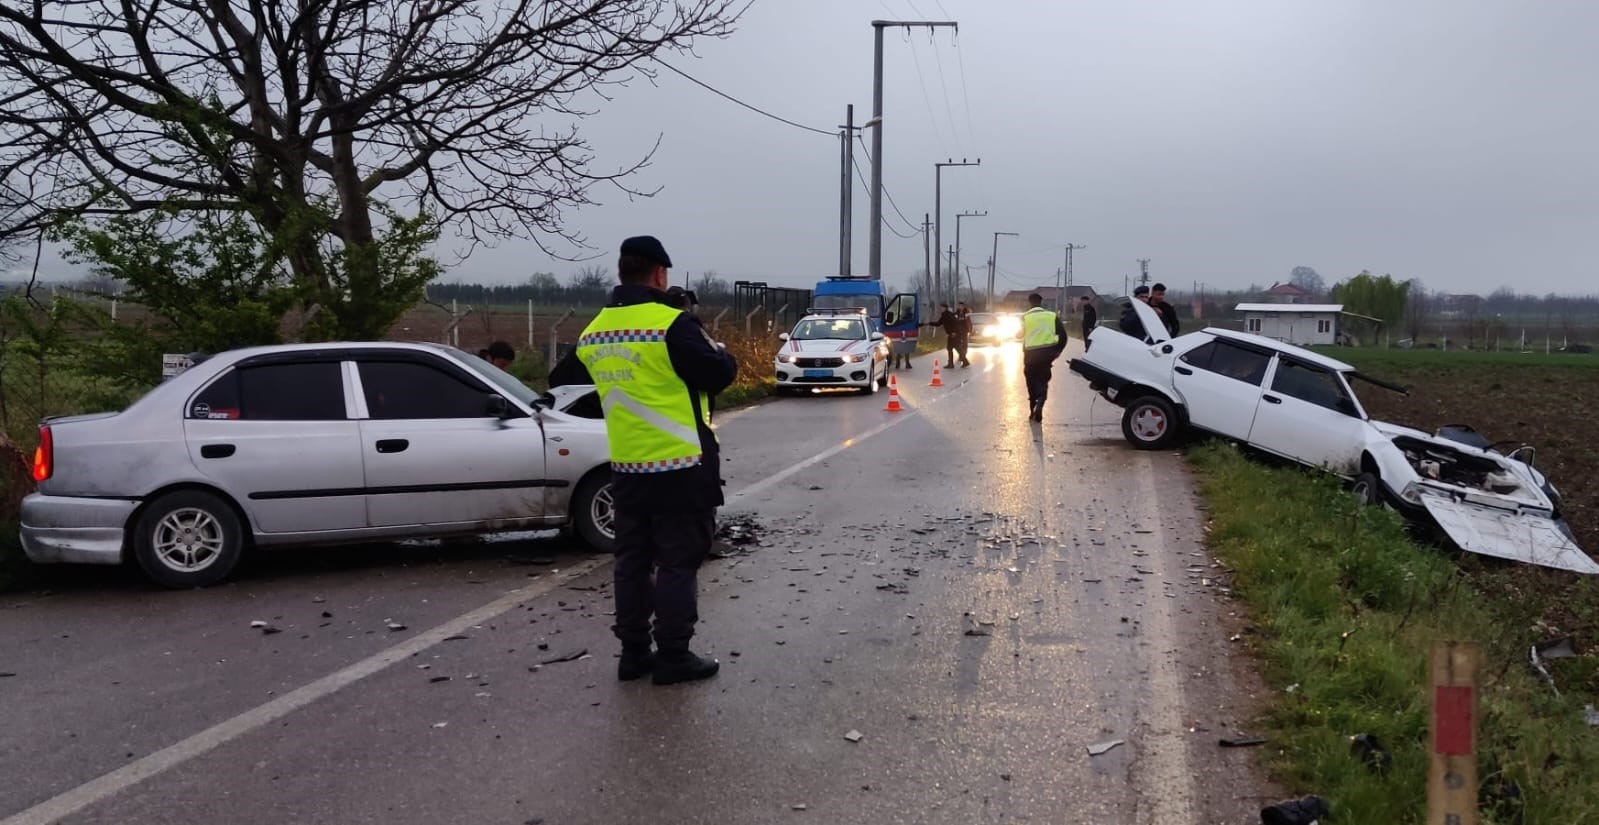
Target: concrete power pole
{"type": "Point", "coordinates": [846, 137]}
{"type": "Point", "coordinates": [938, 216]}
{"type": "Point", "coordinates": [1143, 268]}
{"type": "Point", "coordinates": [875, 255]}
{"type": "Point", "coordinates": [958, 217]}
{"type": "Point", "coordinates": [1065, 278]}
{"type": "Point", "coordinates": [993, 259]}
{"type": "Point", "coordinates": [927, 258]}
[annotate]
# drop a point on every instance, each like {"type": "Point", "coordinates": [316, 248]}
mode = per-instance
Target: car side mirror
{"type": "Point", "coordinates": [877, 336]}
{"type": "Point", "coordinates": [1347, 407]}
{"type": "Point", "coordinates": [498, 407]}
{"type": "Point", "coordinates": [782, 336]}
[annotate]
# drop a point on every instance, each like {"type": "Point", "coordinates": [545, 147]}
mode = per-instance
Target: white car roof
{"type": "Point", "coordinates": [1270, 343]}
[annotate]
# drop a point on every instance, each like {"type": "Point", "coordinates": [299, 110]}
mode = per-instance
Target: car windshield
{"type": "Point", "coordinates": [812, 329]}
{"type": "Point", "coordinates": [502, 380]}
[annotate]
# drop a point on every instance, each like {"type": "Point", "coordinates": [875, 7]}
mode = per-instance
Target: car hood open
{"type": "Point", "coordinates": [1508, 534]}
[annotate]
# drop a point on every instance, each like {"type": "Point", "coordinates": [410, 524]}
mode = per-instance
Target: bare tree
{"type": "Point", "coordinates": [325, 121]}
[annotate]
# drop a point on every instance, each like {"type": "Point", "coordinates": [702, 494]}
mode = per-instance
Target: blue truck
{"type": "Point", "coordinates": [898, 318]}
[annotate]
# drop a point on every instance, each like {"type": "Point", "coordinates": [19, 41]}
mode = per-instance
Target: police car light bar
{"type": "Point", "coordinates": [835, 311]}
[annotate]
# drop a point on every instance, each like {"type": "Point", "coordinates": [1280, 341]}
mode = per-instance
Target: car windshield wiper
{"type": "Point", "coordinates": [1378, 382]}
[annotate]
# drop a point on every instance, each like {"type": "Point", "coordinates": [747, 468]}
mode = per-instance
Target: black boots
{"type": "Point", "coordinates": [635, 662]}
{"type": "Point", "coordinates": [1036, 413]}
{"type": "Point", "coordinates": [683, 666]}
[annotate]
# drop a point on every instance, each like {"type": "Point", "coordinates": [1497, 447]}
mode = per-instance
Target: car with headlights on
{"type": "Point", "coordinates": [996, 328]}
{"type": "Point", "coordinates": [312, 444]}
{"type": "Point", "coordinates": [832, 348]}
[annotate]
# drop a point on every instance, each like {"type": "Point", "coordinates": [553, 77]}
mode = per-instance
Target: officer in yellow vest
{"type": "Point", "coordinates": [656, 369]}
{"type": "Point", "coordinates": [1043, 340]}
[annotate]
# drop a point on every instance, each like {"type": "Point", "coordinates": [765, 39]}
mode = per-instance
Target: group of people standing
{"type": "Point", "coordinates": [957, 326]}
{"type": "Point", "coordinates": [1155, 297]}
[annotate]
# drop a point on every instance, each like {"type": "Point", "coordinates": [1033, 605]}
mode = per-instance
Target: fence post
{"type": "Point", "coordinates": [716, 322]}
{"type": "Point", "coordinates": [554, 330]}
{"type": "Point", "coordinates": [749, 320]}
{"type": "Point", "coordinates": [771, 322]}
{"type": "Point", "coordinates": [455, 325]}
{"type": "Point", "coordinates": [530, 325]}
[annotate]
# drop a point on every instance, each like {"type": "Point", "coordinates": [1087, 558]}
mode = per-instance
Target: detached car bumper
{"type": "Point", "coordinates": [61, 529]}
{"type": "Point", "coordinates": [848, 375]}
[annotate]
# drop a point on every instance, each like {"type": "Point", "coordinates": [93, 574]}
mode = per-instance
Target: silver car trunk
{"type": "Point", "coordinates": [1513, 534]}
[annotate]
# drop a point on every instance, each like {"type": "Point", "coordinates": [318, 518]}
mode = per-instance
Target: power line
{"type": "Point", "coordinates": [949, 109]}
{"type": "Point", "coordinates": [966, 98]}
{"type": "Point", "coordinates": [886, 195]}
{"type": "Point", "coordinates": [862, 178]}
{"type": "Point", "coordinates": [755, 109]}
{"type": "Point", "coordinates": [932, 119]}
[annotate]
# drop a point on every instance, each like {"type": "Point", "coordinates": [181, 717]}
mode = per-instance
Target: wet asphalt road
{"type": "Point", "coordinates": [979, 597]}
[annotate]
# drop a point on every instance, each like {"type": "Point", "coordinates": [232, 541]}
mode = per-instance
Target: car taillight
{"type": "Point", "coordinates": [44, 456]}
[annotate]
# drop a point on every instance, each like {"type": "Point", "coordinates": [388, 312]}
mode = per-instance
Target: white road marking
{"type": "Point", "coordinates": [1166, 781]}
{"type": "Point", "coordinates": [773, 480]}
{"type": "Point", "coordinates": [107, 785]}
{"type": "Point", "coordinates": [95, 790]}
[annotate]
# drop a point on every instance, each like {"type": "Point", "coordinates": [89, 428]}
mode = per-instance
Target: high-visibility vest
{"type": "Point", "coordinates": [1038, 326]}
{"type": "Point", "coordinates": [649, 410]}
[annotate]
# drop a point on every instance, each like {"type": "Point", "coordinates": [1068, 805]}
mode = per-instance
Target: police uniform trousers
{"type": "Point", "coordinates": [1037, 368]}
{"type": "Point", "coordinates": [671, 542]}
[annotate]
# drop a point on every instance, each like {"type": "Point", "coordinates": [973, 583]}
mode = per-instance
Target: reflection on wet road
{"type": "Point", "coordinates": [981, 599]}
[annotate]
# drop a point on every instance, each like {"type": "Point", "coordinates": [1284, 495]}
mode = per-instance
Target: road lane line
{"type": "Point", "coordinates": [107, 785]}
{"type": "Point", "coordinates": [95, 790]}
{"type": "Point", "coordinates": [773, 480]}
{"type": "Point", "coordinates": [1167, 786]}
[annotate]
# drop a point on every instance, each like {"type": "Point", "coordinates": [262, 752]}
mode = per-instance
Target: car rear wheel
{"type": "Point", "coordinates": [1150, 423]}
{"type": "Point", "coordinates": [593, 512]}
{"type": "Point", "coordinates": [189, 538]}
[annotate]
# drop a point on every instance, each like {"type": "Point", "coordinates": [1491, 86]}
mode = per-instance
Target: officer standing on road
{"type": "Point", "coordinates": [1090, 320]}
{"type": "Point", "coordinates": [963, 345]}
{"type": "Point", "coordinates": [1043, 340]}
{"type": "Point", "coordinates": [655, 369]}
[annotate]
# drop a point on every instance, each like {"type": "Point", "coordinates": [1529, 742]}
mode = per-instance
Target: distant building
{"type": "Point", "coordinates": [1289, 294]}
{"type": "Point", "coordinates": [1301, 324]}
{"type": "Point", "coordinates": [1016, 299]}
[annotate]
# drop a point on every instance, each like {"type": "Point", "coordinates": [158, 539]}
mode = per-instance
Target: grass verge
{"type": "Point", "coordinates": [1345, 608]}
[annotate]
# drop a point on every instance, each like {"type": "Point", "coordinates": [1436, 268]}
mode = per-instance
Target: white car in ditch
{"type": "Point", "coordinates": [833, 348]}
{"type": "Point", "coordinates": [1301, 405]}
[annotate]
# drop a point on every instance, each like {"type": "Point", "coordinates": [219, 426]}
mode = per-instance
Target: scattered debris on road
{"type": "Point", "coordinates": [854, 736]}
{"type": "Point", "coordinates": [800, 807]}
{"type": "Point", "coordinates": [440, 724]}
{"type": "Point", "coordinates": [1305, 811]}
{"type": "Point", "coordinates": [735, 536]}
{"type": "Point", "coordinates": [528, 561]}
{"type": "Point", "coordinates": [1102, 748]}
{"type": "Point", "coordinates": [1242, 742]}
{"type": "Point", "coordinates": [394, 626]}
{"type": "Point", "coordinates": [567, 657]}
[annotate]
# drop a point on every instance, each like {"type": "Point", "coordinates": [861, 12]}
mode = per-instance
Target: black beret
{"type": "Point", "coordinates": [648, 248]}
{"type": "Point", "coordinates": [1142, 290]}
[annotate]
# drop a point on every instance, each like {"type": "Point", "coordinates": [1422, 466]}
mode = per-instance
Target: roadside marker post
{"type": "Point", "coordinates": [1452, 755]}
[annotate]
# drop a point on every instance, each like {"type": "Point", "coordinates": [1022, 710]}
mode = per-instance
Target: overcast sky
{"type": "Point", "coordinates": [1448, 140]}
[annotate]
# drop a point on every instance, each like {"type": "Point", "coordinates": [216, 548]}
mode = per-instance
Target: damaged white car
{"type": "Point", "coordinates": [1301, 405]}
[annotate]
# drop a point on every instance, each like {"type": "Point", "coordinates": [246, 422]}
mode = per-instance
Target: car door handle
{"type": "Point", "coordinates": [217, 450]}
{"type": "Point", "coordinates": [1272, 399]}
{"type": "Point", "coordinates": [1184, 371]}
{"type": "Point", "coordinates": [393, 445]}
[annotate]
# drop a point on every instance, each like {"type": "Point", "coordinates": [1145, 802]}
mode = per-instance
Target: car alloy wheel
{"type": "Point", "coordinates": [593, 511]}
{"type": "Point", "coordinates": [602, 511]}
{"type": "Point", "coordinates": [188, 540]}
{"type": "Point", "coordinates": [1149, 424]}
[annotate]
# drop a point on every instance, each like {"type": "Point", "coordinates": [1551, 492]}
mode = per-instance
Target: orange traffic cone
{"type": "Point", "coordinates": [938, 375]}
{"type": "Point", "coordinates": [893, 396]}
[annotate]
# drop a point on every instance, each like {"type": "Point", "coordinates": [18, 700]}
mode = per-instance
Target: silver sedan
{"type": "Point", "coordinates": [314, 444]}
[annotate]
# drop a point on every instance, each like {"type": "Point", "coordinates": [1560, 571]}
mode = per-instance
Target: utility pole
{"type": "Point", "coordinates": [846, 138]}
{"type": "Point", "coordinates": [958, 216]}
{"type": "Point", "coordinates": [1066, 276]}
{"type": "Point", "coordinates": [954, 275]}
{"type": "Point", "coordinates": [993, 259]}
{"type": "Point", "coordinates": [875, 254]}
{"type": "Point", "coordinates": [1143, 266]}
{"type": "Point", "coordinates": [927, 258]}
{"type": "Point", "coordinates": [938, 210]}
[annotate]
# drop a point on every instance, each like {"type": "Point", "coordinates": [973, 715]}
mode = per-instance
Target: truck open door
{"type": "Point", "coordinates": [902, 321]}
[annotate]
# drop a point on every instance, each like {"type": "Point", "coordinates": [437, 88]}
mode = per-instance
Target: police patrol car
{"type": "Point", "coordinates": [833, 348]}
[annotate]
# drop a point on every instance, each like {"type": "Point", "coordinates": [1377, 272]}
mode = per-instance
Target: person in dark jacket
{"type": "Point", "coordinates": [964, 342]}
{"type": "Point", "coordinates": [1090, 319]}
{"type": "Point", "coordinates": [952, 325]}
{"type": "Point", "coordinates": [1130, 322]}
{"type": "Point", "coordinates": [1167, 312]}
{"type": "Point", "coordinates": [665, 464]}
